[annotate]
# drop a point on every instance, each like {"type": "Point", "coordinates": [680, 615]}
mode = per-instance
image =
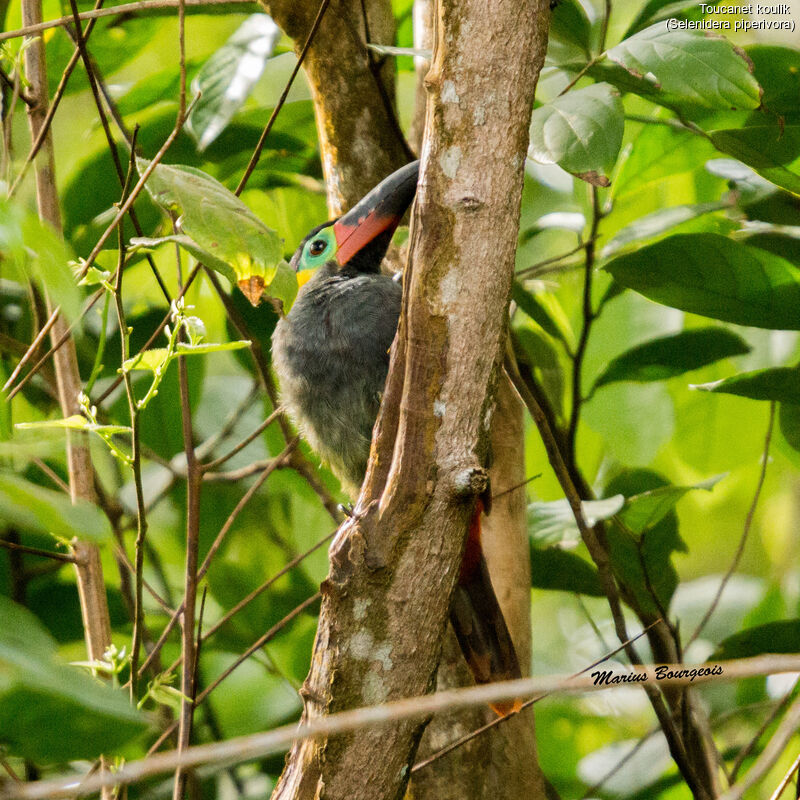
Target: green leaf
{"type": "Point", "coordinates": [782, 636]}
{"type": "Point", "coordinates": [544, 309]}
{"type": "Point", "coordinates": [781, 384]}
{"type": "Point", "coordinates": [39, 510]}
{"type": "Point", "coordinates": [536, 353]}
{"type": "Point", "coordinates": [643, 562]}
{"type": "Point", "coordinates": [689, 68]}
{"type": "Point", "coordinates": [223, 227]}
{"type": "Point", "coordinates": [158, 357]}
{"type": "Point", "coordinates": [777, 69]}
{"type": "Point", "coordinates": [644, 511]}
{"type": "Point", "coordinates": [34, 251]}
{"type": "Point", "coordinates": [191, 247]}
{"type": "Point", "coordinates": [559, 570]}
{"type": "Point", "coordinates": [50, 712]}
{"type": "Point", "coordinates": [789, 422]}
{"type": "Point", "coordinates": [712, 275]}
{"type": "Point", "coordinates": [669, 356]}
{"type": "Point", "coordinates": [656, 10]}
{"type": "Point", "coordinates": [773, 151]}
{"type": "Point", "coordinates": [227, 78]}
{"type": "Point", "coordinates": [553, 522]}
{"type": "Point", "coordinates": [581, 132]}
{"type": "Point", "coordinates": [652, 225]}
{"type": "Point", "coordinates": [569, 24]}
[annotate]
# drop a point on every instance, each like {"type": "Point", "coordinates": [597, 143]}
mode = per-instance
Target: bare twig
{"type": "Point", "coordinates": [124, 9]}
{"type": "Point", "coordinates": [281, 100]}
{"type": "Point", "coordinates": [786, 780]}
{"type": "Point", "coordinates": [274, 464]}
{"type": "Point", "coordinates": [247, 748]}
{"type": "Point", "coordinates": [35, 551]}
{"type": "Point", "coordinates": [34, 346]}
{"type": "Point", "coordinates": [769, 755]}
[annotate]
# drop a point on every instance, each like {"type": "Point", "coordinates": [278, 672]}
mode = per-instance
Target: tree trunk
{"type": "Point", "coordinates": [360, 138]}
{"type": "Point", "coordinates": [394, 563]}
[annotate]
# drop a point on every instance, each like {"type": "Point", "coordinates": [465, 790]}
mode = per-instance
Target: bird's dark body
{"type": "Point", "coordinates": [332, 355]}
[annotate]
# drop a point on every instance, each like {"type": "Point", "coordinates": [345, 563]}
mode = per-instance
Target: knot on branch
{"type": "Point", "coordinates": [470, 481]}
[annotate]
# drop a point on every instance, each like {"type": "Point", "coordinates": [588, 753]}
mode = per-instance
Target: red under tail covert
{"type": "Point", "coordinates": [479, 624]}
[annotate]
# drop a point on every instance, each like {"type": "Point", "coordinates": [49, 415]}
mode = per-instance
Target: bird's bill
{"type": "Point", "coordinates": [380, 211]}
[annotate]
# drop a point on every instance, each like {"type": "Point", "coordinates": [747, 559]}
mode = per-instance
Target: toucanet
{"type": "Point", "coordinates": [331, 355]}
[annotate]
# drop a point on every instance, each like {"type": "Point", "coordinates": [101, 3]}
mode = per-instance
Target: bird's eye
{"type": "Point", "coordinates": [317, 247]}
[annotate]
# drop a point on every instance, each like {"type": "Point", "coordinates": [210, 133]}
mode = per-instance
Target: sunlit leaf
{"type": "Point", "coordinates": [773, 151]}
{"type": "Point", "coordinates": [554, 522]}
{"type": "Point", "coordinates": [644, 511]}
{"type": "Point", "coordinates": [158, 357]}
{"type": "Point", "coordinates": [580, 131]}
{"type": "Point", "coordinates": [227, 78]}
{"type": "Point", "coordinates": [668, 356]}
{"type": "Point", "coordinates": [781, 384]}
{"type": "Point", "coordinates": [224, 227]}
{"type": "Point", "coordinates": [712, 275]}
{"type": "Point", "coordinates": [703, 70]}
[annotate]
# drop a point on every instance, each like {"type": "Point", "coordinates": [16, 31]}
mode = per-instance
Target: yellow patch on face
{"type": "Point", "coordinates": [304, 276]}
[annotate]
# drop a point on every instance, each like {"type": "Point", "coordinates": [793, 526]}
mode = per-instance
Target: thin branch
{"type": "Point", "coordinates": [745, 531]}
{"type": "Point", "coordinates": [769, 755]}
{"type": "Point", "coordinates": [34, 346]}
{"type": "Point", "coordinates": [499, 720]}
{"type": "Point", "coordinates": [248, 495]}
{"type": "Point", "coordinates": [124, 9]}
{"type": "Point", "coordinates": [35, 551]}
{"type": "Point", "coordinates": [786, 780]}
{"type": "Point", "coordinates": [254, 746]}
{"type": "Point", "coordinates": [535, 269]}
{"type": "Point", "coordinates": [246, 441]}
{"type": "Point", "coordinates": [281, 100]}
{"type": "Point", "coordinates": [751, 745]}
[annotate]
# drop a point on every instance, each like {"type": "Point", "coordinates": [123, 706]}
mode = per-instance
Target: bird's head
{"type": "Point", "coordinates": [358, 240]}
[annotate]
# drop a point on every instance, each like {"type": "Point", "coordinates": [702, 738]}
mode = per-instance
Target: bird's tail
{"type": "Point", "coordinates": [479, 623]}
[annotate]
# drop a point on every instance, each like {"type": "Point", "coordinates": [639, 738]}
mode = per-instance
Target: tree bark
{"type": "Point", "coordinates": [394, 563]}
{"type": "Point", "coordinates": [91, 587]}
{"type": "Point", "coordinates": [360, 138]}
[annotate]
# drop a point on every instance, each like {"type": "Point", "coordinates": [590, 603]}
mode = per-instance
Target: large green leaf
{"type": "Point", "coordinates": [569, 24]}
{"type": "Point", "coordinates": [643, 561]}
{"type": "Point", "coordinates": [222, 226]}
{"type": "Point", "coordinates": [645, 510]}
{"type": "Point", "coordinates": [227, 78]}
{"type": "Point", "coordinates": [669, 356]}
{"type": "Point", "coordinates": [781, 384]}
{"type": "Point", "coordinates": [789, 422]}
{"type": "Point", "coordinates": [559, 570]}
{"type": "Point", "coordinates": [32, 250]}
{"type": "Point", "coordinates": [34, 508]}
{"type": "Point", "coordinates": [712, 275]}
{"type": "Point", "coordinates": [580, 131]}
{"type": "Point", "coordinates": [782, 636]}
{"type": "Point", "coordinates": [777, 69]}
{"type": "Point", "coordinates": [554, 523]}
{"type": "Point", "coordinates": [686, 67]}
{"type": "Point", "coordinates": [50, 712]}
{"type": "Point", "coordinates": [652, 225]}
{"type": "Point", "coordinates": [773, 151]}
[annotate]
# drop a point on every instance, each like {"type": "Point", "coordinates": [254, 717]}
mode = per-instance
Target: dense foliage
{"type": "Point", "coordinates": [655, 314]}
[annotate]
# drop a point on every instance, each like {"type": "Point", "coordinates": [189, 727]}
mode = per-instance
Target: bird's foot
{"type": "Point", "coordinates": [346, 509]}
